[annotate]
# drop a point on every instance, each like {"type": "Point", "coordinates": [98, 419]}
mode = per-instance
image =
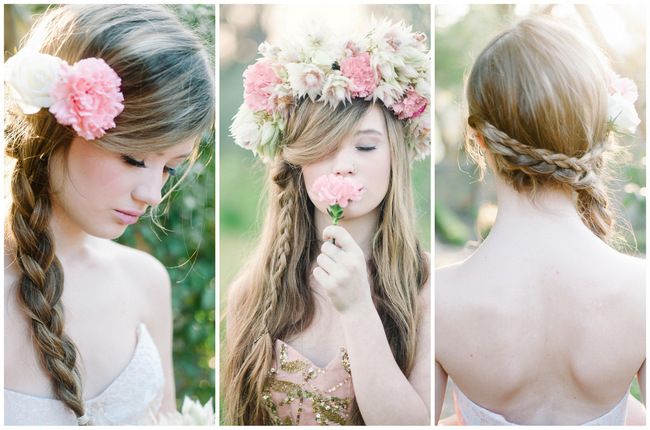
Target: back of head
{"type": "Point", "coordinates": [538, 96]}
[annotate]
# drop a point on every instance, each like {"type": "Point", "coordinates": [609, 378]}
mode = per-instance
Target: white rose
{"type": "Point", "coordinates": [622, 114]}
{"type": "Point", "coordinates": [29, 75]}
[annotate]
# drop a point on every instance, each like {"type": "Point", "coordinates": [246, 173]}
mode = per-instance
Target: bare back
{"type": "Point", "coordinates": [552, 333]}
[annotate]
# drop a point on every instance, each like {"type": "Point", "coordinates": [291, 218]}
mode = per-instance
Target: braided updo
{"type": "Point", "coordinates": [538, 96]}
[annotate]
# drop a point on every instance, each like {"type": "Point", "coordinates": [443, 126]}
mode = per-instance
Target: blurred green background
{"type": "Point", "coordinates": [186, 246]}
{"type": "Point", "coordinates": [241, 177]}
{"type": "Point", "coordinates": [464, 208]}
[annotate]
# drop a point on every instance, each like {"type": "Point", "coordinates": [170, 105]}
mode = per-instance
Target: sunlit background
{"type": "Point", "coordinates": [464, 208]}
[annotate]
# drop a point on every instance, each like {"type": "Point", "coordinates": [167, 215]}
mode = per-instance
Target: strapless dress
{"type": "Point", "coordinates": [299, 393]}
{"type": "Point", "coordinates": [133, 398]}
{"type": "Point", "coordinates": [469, 413]}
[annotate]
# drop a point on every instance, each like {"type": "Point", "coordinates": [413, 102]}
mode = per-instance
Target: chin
{"type": "Point", "coordinates": [108, 233]}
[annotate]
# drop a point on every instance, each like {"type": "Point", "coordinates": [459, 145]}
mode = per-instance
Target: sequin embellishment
{"type": "Point", "coordinates": [328, 409]}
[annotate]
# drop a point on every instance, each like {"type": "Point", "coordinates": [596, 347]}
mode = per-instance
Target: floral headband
{"type": "Point", "coordinates": [85, 95]}
{"type": "Point", "coordinates": [622, 116]}
{"type": "Point", "coordinates": [390, 64]}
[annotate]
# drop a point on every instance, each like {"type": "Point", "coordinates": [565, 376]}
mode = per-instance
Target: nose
{"type": "Point", "coordinates": [343, 164]}
{"type": "Point", "coordinates": [149, 189]}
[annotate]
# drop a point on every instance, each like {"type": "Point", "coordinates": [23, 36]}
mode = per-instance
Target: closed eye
{"type": "Point", "coordinates": [366, 148]}
{"type": "Point", "coordinates": [132, 161]}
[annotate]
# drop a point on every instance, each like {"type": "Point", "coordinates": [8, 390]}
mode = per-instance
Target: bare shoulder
{"type": "Point", "coordinates": [148, 278]}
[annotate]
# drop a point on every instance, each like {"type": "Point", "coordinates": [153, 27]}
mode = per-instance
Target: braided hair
{"type": "Point", "coordinates": [538, 96]}
{"type": "Point", "coordinates": [154, 55]}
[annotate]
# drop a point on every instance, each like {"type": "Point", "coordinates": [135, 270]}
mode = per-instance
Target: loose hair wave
{"type": "Point", "coordinates": [273, 300]}
{"type": "Point", "coordinates": [168, 91]}
{"type": "Point", "coordinates": [537, 94]}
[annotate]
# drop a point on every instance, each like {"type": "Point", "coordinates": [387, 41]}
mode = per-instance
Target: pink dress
{"type": "Point", "coordinates": [469, 413]}
{"type": "Point", "coordinates": [299, 393]}
{"type": "Point", "coordinates": [134, 397]}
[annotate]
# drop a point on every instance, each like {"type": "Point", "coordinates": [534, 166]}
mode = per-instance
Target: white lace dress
{"type": "Point", "coordinates": [134, 397]}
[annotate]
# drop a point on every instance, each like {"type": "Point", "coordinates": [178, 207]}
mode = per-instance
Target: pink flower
{"type": "Point", "coordinates": [411, 106]}
{"type": "Point", "coordinates": [337, 190]}
{"type": "Point", "coordinates": [259, 82]}
{"type": "Point", "coordinates": [364, 77]}
{"type": "Point", "coordinates": [623, 86]}
{"type": "Point", "coordinates": [87, 97]}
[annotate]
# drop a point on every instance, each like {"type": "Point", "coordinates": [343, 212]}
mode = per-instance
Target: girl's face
{"type": "Point", "coordinates": [363, 156]}
{"type": "Point", "coordinates": [102, 192]}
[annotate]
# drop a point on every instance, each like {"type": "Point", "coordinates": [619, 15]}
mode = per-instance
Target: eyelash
{"type": "Point", "coordinates": [136, 163]}
{"type": "Point", "coordinates": [366, 148]}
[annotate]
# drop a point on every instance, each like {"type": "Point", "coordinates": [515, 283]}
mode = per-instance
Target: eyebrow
{"type": "Point", "coordinates": [369, 131]}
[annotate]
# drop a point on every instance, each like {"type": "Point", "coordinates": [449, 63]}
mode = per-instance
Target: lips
{"type": "Point", "coordinates": [128, 217]}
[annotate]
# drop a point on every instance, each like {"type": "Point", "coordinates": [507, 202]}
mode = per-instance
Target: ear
{"type": "Point", "coordinates": [479, 138]}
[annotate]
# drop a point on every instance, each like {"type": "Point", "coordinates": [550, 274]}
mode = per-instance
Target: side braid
{"type": "Point", "coordinates": [527, 166]}
{"type": "Point", "coordinates": [41, 280]}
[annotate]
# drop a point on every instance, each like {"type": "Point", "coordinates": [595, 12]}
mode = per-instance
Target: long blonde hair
{"type": "Point", "coordinates": [275, 301]}
{"type": "Point", "coordinates": [168, 92]}
{"type": "Point", "coordinates": [538, 96]}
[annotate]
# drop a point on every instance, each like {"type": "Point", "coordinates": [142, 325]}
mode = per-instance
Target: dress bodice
{"type": "Point", "coordinates": [300, 393]}
{"type": "Point", "coordinates": [134, 397]}
{"type": "Point", "coordinates": [469, 413]}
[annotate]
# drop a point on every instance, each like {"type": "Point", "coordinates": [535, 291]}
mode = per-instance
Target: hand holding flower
{"type": "Point", "coordinates": [341, 271]}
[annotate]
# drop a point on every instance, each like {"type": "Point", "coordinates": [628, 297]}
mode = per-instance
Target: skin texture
{"type": "Point", "coordinates": [345, 313]}
{"type": "Point", "coordinates": [544, 323]}
{"type": "Point", "coordinates": [109, 289]}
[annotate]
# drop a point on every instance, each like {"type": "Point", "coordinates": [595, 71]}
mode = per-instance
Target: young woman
{"type": "Point", "coordinates": [545, 322]}
{"type": "Point", "coordinates": [106, 103]}
{"type": "Point", "coordinates": [330, 324]}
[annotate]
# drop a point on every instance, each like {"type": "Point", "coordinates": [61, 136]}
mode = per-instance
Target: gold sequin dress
{"type": "Point", "coordinates": [299, 393]}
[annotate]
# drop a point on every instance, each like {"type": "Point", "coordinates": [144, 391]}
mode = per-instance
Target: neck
{"type": "Point", "coordinates": [522, 215]}
{"type": "Point", "coordinates": [70, 240]}
{"type": "Point", "coordinates": [362, 229]}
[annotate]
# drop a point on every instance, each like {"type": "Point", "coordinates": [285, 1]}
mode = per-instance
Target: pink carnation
{"type": "Point", "coordinates": [335, 189]}
{"type": "Point", "coordinates": [623, 86]}
{"type": "Point", "coordinates": [411, 106]}
{"type": "Point", "coordinates": [259, 82]}
{"type": "Point", "coordinates": [364, 77]}
{"type": "Point", "coordinates": [87, 97]}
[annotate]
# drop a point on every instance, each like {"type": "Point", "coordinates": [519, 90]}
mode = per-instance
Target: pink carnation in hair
{"type": "Point", "coordinates": [623, 86]}
{"type": "Point", "coordinates": [335, 189]}
{"type": "Point", "coordinates": [411, 106]}
{"type": "Point", "coordinates": [364, 77]}
{"type": "Point", "coordinates": [259, 82]}
{"type": "Point", "coordinates": [87, 97]}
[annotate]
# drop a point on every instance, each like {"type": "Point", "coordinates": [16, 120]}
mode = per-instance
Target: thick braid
{"type": "Point", "coordinates": [41, 280]}
{"type": "Point", "coordinates": [582, 174]}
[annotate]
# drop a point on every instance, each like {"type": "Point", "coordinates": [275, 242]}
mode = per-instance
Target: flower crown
{"type": "Point", "coordinates": [390, 64]}
{"type": "Point", "coordinates": [622, 117]}
{"type": "Point", "coordinates": [85, 95]}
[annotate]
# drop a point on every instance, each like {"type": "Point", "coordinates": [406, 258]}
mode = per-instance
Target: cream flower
{"type": "Point", "coordinates": [29, 76]}
{"type": "Point", "coordinates": [192, 414]}
{"type": "Point", "coordinates": [621, 114]}
{"type": "Point", "coordinates": [305, 79]}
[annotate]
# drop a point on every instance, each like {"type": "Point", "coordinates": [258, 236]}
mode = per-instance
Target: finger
{"type": "Point", "coordinates": [341, 236]}
{"type": "Point", "coordinates": [331, 250]}
{"type": "Point", "coordinates": [326, 263]}
{"type": "Point", "coordinates": [321, 277]}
